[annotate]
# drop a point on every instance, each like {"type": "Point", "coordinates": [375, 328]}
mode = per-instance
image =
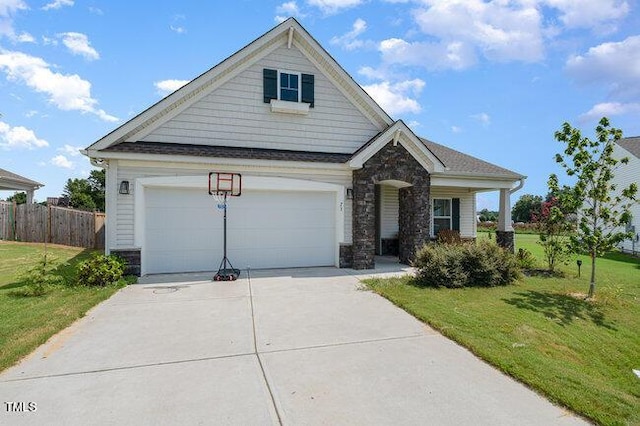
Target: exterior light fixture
{"type": "Point", "coordinates": [579, 263]}
{"type": "Point", "coordinates": [349, 193]}
{"type": "Point", "coordinates": [124, 187]}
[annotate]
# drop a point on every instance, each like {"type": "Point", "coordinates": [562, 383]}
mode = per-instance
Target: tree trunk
{"type": "Point", "coordinates": [592, 284]}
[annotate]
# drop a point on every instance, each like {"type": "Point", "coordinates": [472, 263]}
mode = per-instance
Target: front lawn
{"type": "Point", "coordinates": [27, 322]}
{"type": "Point", "coordinates": [578, 353]}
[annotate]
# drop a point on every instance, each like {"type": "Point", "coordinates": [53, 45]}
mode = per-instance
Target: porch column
{"type": "Point", "coordinates": [504, 233]}
{"type": "Point", "coordinates": [30, 196]}
{"type": "Point", "coordinates": [364, 222]}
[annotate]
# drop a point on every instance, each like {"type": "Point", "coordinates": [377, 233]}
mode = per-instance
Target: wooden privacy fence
{"type": "Point", "coordinates": [35, 223]}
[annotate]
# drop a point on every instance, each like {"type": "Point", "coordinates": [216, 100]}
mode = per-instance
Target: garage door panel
{"type": "Point", "coordinates": [266, 229]}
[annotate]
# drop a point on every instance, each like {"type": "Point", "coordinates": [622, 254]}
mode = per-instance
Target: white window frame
{"type": "Point", "coordinates": [434, 217]}
{"type": "Point", "coordinates": [299, 74]}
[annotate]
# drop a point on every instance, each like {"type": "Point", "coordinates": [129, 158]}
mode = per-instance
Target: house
{"type": "Point", "coordinates": [328, 177]}
{"type": "Point", "coordinates": [625, 176]}
{"type": "Point", "coordinates": [14, 182]}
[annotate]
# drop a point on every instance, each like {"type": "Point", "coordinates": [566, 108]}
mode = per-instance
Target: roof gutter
{"type": "Point", "coordinates": [519, 187]}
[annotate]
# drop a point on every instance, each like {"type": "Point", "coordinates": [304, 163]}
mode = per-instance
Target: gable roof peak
{"type": "Point", "coordinates": [199, 87]}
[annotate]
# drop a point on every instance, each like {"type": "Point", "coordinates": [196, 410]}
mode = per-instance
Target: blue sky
{"type": "Point", "coordinates": [494, 79]}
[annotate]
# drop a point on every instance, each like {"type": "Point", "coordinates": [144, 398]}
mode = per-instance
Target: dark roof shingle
{"type": "Point", "coordinates": [17, 178]}
{"type": "Point", "coordinates": [227, 152]}
{"type": "Point", "coordinates": [631, 144]}
{"type": "Point", "coordinates": [457, 162]}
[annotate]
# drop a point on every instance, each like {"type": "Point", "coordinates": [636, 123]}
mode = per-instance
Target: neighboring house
{"type": "Point", "coordinates": [328, 178]}
{"type": "Point", "coordinates": [625, 176]}
{"type": "Point", "coordinates": [14, 182]}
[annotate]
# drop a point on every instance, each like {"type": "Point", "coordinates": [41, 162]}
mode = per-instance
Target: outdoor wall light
{"type": "Point", "coordinates": [349, 193]}
{"type": "Point", "coordinates": [124, 187]}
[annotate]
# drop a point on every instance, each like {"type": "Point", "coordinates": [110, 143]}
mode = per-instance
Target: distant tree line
{"type": "Point", "coordinates": [82, 194]}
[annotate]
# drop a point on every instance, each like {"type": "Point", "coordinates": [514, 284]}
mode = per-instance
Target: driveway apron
{"type": "Point", "coordinates": [301, 346]}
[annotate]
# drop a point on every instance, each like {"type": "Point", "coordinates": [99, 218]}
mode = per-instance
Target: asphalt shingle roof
{"type": "Point", "coordinates": [455, 161]}
{"type": "Point", "coordinates": [5, 174]}
{"type": "Point", "coordinates": [458, 162]}
{"type": "Point", "coordinates": [227, 152]}
{"type": "Point", "coordinates": [631, 144]}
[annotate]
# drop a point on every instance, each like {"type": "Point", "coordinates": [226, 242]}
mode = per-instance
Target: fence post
{"type": "Point", "coordinates": [14, 222]}
{"type": "Point", "coordinates": [48, 236]}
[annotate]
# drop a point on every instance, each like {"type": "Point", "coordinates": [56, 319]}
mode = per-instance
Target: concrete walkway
{"type": "Point", "coordinates": [291, 347]}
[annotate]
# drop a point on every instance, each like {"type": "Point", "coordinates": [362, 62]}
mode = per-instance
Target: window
{"type": "Point", "coordinates": [289, 87]}
{"type": "Point", "coordinates": [441, 214]}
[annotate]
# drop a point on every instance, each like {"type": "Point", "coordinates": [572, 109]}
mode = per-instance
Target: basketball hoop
{"type": "Point", "coordinates": [222, 186]}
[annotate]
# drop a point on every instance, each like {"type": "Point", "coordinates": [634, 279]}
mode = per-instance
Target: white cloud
{"type": "Point", "coordinates": [397, 98]}
{"type": "Point", "coordinates": [8, 8]}
{"type": "Point", "coordinates": [68, 92]}
{"type": "Point", "coordinates": [615, 65]}
{"type": "Point", "coordinates": [334, 6]}
{"type": "Point", "coordinates": [79, 44]}
{"type": "Point", "coordinates": [456, 129]}
{"type": "Point", "coordinates": [287, 10]}
{"type": "Point", "coordinates": [25, 38]}
{"type": "Point", "coordinates": [483, 118]}
{"type": "Point", "coordinates": [350, 40]}
{"type": "Point", "coordinates": [166, 87]}
{"type": "Point", "coordinates": [62, 161]}
{"type": "Point", "coordinates": [177, 29]}
{"type": "Point", "coordinates": [433, 56]}
{"type": "Point", "coordinates": [372, 73]}
{"type": "Point", "coordinates": [57, 4]}
{"type": "Point", "coordinates": [70, 150]}
{"type": "Point", "coordinates": [176, 25]}
{"type": "Point", "coordinates": [501, 30]}
{"type": "Point", "coordinates": [19, 137]}
{"type": "Point", "coordinates": [589, 14]}
{"type": "Point", "coordinates": [609, 109]}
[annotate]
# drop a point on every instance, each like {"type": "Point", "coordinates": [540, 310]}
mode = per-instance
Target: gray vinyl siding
{"type": "Point", "coordinates": [235, 114]}
{"type": "Point", "coordinates": [467, 208]}
{"type": "Point", "coordinates": [624, 176]}
{"type": "Point", "coordinates": [124, 236]}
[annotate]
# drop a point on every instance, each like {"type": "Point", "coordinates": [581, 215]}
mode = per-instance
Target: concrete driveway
{"type": "Point", "coordinates": [291, 347]}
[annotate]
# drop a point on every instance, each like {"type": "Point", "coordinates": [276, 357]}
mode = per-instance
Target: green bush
{"type": "Point", "coordinates": [525, 259]}
{"type": "Point", "coordinates": [100, 270]}
{"type": "Point", "coordinates": [41, 278]}
{"type": "Point", "coordinates": [468, 265]}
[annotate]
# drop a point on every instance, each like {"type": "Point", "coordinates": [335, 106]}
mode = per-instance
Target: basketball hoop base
{"type": "Point", "coordinates": [227, 275]}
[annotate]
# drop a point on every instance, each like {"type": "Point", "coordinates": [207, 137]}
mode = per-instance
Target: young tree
{"type": "Point", "coordinates": [526, 207]}
{"type": "Point", "coordinates": [602, 209]}
{"type": "Point", "coordinates": [553, 229]}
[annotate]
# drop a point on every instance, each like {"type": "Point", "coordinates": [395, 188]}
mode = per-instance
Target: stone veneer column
{"type": "Point", "coordinates": [505, 233]}
{"type": "Point", "coordinates": [364, 221]}
{"type": "Point", "coordinates": [390, 163]}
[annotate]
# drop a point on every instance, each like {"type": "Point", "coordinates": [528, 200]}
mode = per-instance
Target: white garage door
{"type": "Point", "coordinates": [266, 229]}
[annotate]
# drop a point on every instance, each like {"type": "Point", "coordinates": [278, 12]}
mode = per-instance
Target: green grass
{"type": "Point", "coordinates": [578, 353]}
{"type": "Point", "coordinates": [27, 322]}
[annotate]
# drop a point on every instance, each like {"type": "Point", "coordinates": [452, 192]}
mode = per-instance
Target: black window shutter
{"type": "Point", "coordinates": [270, 84]}
{"type": "Point", "coordinates": [455, 214]}
{"type": "Point", "coordinates": [307, 89]}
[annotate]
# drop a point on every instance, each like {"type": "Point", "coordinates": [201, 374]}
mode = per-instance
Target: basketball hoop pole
{"type": "Point", "coordinates": [224, 187]}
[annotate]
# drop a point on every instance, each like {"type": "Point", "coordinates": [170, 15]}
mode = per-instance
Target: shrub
{"type": "Point", "coordinates": [101, 270]}
{"type": "Point", "coordinates": [468, 265]}
{"type": "Point", "coordinates": [525, 259]}
{"type": "Point", "coordinates": [40, 278]}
